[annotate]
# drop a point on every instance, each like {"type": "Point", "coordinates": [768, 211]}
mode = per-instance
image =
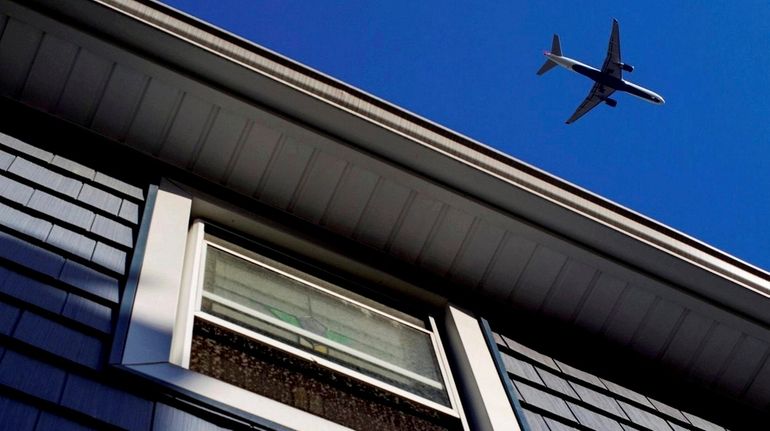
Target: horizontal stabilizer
{"type": "Point", "coordinates": [548, 65]}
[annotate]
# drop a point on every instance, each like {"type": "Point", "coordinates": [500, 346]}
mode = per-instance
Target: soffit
{"type": "Point", "coordinates": [580, 270]}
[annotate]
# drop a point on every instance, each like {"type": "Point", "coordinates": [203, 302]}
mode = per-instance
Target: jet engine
{"type": "Point", "coordinates": [612, 102]}
{"type": "Point", "coordinates": [627, 67]}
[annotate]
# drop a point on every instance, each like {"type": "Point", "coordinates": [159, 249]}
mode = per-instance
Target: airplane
{"type": "Point", "coordinates": [607, 81]}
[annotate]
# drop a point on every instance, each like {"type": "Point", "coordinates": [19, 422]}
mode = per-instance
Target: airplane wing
{"type": "Point", "coordinates": [612, 62]}
{"type": "Point", "coordinates": [599, 93]}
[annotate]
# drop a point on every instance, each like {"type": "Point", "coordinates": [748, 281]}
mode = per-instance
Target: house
{"type": "Point", "coordinates": [199, 234]}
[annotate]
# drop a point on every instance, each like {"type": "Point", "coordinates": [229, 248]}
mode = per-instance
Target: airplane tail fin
{"type": "Point", "coordinates": [556, 45]}
{"type": "Point", "coordinates": [556, 50]}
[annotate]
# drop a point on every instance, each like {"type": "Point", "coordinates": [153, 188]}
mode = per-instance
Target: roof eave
{"type": "Point", "coordinates": [241, 68]}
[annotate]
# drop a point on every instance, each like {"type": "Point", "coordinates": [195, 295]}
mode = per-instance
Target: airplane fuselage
{"type": "Point", "coordinates": [605, 79]}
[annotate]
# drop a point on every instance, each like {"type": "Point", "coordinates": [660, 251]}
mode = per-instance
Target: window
{"type": "Point", "coordinates": [270, 302]}
{"type": "Point", "coordinates": [229, 318]}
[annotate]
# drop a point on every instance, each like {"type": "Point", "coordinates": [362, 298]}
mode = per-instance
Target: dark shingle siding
{"type": "Point", "coordinates": [109, 257]}
{"type": "Point", "coordinates": [14, 191]}
{"type": "Point", "coordinates": [129, 211]}
{"type": "Point", "coordinates": [74, 167]}
{"type": "Point", "coordinates": [90, 280]}
{"type": "Point", "coordinates": [100, 199]}
{"type": "Point", "coordinates": [32, 291]}
{"type": "Point", "coordinates": [5, 160]}
{"type": "Point", "coordinates": [31, 256]}
{"type": "Point", "coordinates": [25, 148]}
{"type": "Point", "coordinates": [88, 312]}
{"type": "Point", "coordinates": [66, 234]}
{"type": "Point", "coordinates": [559, 396]}
{"type": "Point", "coordinates": [119, 186]}
{"type": "Point", "coordinates": [24, 223]}
{"type": "Point", "coordinates": [112, 230]}
{"type": "Point", "coordinates": [50, 421]}
{"type": "Point", "coordinates": [17, 416]}
{"type": "Point", "coordinates": [8, 317]}
{"type": "Point", "coordinates": [59, 340]}
{"type": "Point", "coordinates": [34, 377]}
{"type": "Point", "coordinates": [45, 177]}
{"type": "Point", "coordinates": [107, 403]}
{"type": "Point", "coordinates": [60, 209]}
{"type": "Point", "coordinates": [73, 242]}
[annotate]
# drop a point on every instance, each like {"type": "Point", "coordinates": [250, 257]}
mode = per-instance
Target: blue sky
{"type": "Point", "coordinates": [699, 164]}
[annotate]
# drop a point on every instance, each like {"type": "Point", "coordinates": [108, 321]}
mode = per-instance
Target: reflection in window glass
{"type": "Point", "coordinates": [269, 302]}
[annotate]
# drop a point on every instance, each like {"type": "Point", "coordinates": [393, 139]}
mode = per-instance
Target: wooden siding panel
{"type": "Point", "coordinates": [45, 177]}
{"type": "Point", "coordinates": [184, 135]}
{"type": "Point", "coordinates": [99, 198]}
{"type": "Point", "coordinates": [313, 196]}
{"type": "Point", "coordinates": [49, 73]}
{"type": "Point", "coordinates": [539, 276]}
{"type": "Point", "coordinates": [472, 263]}
{"type": "Point", "coordinates": [31, 291]}
{"type": "Point", "coordinates": [17, 416]}
{"type": "Point", "coordinates": [566, 295]}
{"type": "Point", "coordinates": [252, 160]}
{"type": "Point", "coordinates": [120, 102]}
{"type": "Point", "coordinates": [743, 365]}
{"type": "Point", "coordinates": [60, 209]}
{"type": "Point", "coordinates": [119, 186]}
{"type": "Point", "coordinates": [112, 405]}
{"type": "Point", "coordinates": [71, 242]}
{"type": "Point", "coordinates": [285, 172]}
{"type": "Point", "coordinates": [686, 342]}
{"type": "Point", "coordinates": [84, 89]}
{"type": "Point", "coordinates": [445, 241]}
{"type": "Point", "coordinates": [658, 328]}
{"type": "Point", "coordinates": [631, 309]}
{"type": "Point", "coordinates": [507, 266]}
{"type": "Point", "coordinates": [24, 223]}
{"type": "Point", "coordinates": [220, 144]}
{"type": "Point", "coordinates": [599, 303]}
{"type": "Point", "coordinates": [8, 317]}
{"type": "Point", "coordinates": [153, 117]}
{"type": "Point", "coordinates": [350, 199]}
{"type": "Point", "coordinates": [31, 256]}
{"type": "Point", "coordinates": [15, 191]}
{"type": "Point", "coordinates": [758, 392]}
{"type": "Point", "coordinates": [18, 48]}
{"type": "Point", "coordinates": [88, 313]}
{"type": "Point", "coordinates": [410, 237]}
{"type": "Point", "coordinates": [382, 213]}
{"type": "Point", "coordinates": [59, 340]}
{"type": "Point", "coordinates": [73, 167]}
{"type": "Point", "coordinates": [113, 231]}
{"type": "Point", "coordinates": [715, 351]}
{"type": "Point", "coordinates": [91, 281]}
{"type": "Point", "coordinates": [31, 376]}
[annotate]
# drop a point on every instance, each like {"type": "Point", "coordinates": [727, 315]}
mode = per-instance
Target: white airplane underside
{"type": "Point", "coordinates": [606, 81]}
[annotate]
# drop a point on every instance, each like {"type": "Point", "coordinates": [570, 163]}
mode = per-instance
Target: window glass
{"type": "Point", "coordinates": [287, 308]}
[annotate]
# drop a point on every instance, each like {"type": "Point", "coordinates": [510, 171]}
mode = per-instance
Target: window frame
{"type": "Point", "coordinates": [155, 305]}
{"type": "Point", "coordinates": [199, 239]}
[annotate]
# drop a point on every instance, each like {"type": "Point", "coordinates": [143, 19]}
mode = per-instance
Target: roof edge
{"type": "Point", "coordinates": [443, 140]}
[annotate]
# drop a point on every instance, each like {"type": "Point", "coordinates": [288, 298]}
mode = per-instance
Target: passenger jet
{"type": "Point", "coordinates": [607, 81]}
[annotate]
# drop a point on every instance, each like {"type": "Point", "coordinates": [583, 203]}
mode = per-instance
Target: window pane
{"type": "Point", "coordinates": [325, 324]}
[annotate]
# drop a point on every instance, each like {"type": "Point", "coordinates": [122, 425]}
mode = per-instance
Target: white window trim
{"type": "Point", "coordinates": [150, 348]}
{"type": "Point", "coordinates": [492, 411]}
